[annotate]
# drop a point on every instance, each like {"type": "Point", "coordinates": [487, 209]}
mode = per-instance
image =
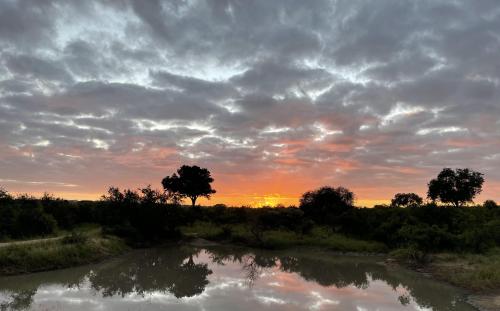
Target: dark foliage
{"type": "Point", "coordinates": [406, 200]}
{"type": "Point", "coordinates": [457, 187]}
{"type": "Point", "coordinates": [142, 218]}
{"type": "Point", "coordinates": [24, 217]}
{"type": "Point", "coordinates": [325, 203]}
{"type": "Point", "coordinates": [189, 182]}
{"type": "Point", "coordinates": [490, 204]}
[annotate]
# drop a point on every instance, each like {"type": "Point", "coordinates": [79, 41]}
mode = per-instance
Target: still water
{"type": "Point", "coordinates": [228, 278]}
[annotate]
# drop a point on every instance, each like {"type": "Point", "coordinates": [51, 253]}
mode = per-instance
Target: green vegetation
{"type": "Point", "coordinates": [476, 272]}
{"type": "Point", "coordinates": [319, 236]}
{"type": "Point", "coordinates": [473, 271]}
{"type": "Point", "coordinates": [56, 254]}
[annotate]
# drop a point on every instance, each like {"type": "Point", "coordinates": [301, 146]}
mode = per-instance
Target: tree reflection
{"type": "Point", "coordinates": [156, 271]}
{"type": "Point", "coordinates": [21, 300]}
{"type": "Point", "coordinates": [182, 272]}
{"type": "Point", "coordinates": [340, 271]}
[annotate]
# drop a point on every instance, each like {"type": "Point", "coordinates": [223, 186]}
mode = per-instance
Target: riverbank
{"type": "Point", "coordinates": [479, 274]}
{"type": "Point", "coordinates": [69, 251]}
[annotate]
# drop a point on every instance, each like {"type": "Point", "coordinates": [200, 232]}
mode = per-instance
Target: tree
{"type": "Point", "coordinates": [151, 196]}
{"type": "Point", "coordinates": [406, 200]}
{"type": "Point", "coordinates": [457, 186]}
{"type": "Point", "coordinates": [189, 182]}
{"type": "Point", "coordinates": [114, 195]}
{"type": "Point", "coordinates": [490, 204]}
{"type": "Point", "coordinates": [326, 201]}
{"type": "Point", "coordinates": [4, 195]}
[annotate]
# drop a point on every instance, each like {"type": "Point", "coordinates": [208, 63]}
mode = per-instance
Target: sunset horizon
{"type": "Point", "coordinates": [257, 199]}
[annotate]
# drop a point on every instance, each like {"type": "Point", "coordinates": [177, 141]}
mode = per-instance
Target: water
{"type": "Point", "coordinates": [228, 278]}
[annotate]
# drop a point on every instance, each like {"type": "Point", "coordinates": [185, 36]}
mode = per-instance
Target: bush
{"type": "Point", "coordinates": [410, 255]}
{"type": "Point", "coordinates": [32, 222]}
{"type": "Point", "coordinates": [490, 204]}
{"type": "Point", "coordinates": [225, 234]}
{"type": "Point", "coordinates": [426, 238]}
{"type": "Point", "coordinates": [483, 238]}
{"type": "Point", "coordinates": [75, 238]}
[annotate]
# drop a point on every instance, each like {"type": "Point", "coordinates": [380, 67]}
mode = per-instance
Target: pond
{"type": "Point", "coordinates": [230, 278]}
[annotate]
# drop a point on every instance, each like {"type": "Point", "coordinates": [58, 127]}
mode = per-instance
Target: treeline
{"type": "Point", "coordinates": [142, 215]}
{"type": "Point", "coordinates": [146, 215]}
{"type": "Point", "coordinates": [26, 216]}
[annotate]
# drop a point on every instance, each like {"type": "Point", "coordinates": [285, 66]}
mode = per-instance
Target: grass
{"type": "Point", "coordinates": [84, 228]}
{"type": "Point", "coordinates": [280, 239]}
{"type": "Point", "coordinates": [477, 272]}
{"type": "Point", "coordinates": [50, 255]}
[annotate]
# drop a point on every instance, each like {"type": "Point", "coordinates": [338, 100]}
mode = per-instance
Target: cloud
{"type": "Point", "coordinates": [365, 94]}
{"type": "Point", "coordinates": [36, 68]}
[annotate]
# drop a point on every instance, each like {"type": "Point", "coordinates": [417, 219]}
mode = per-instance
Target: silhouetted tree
{"type": "Point", "coordinates": [189, 182]}
{"type": "Point", "coordinates": [114, 195]}
{"type": "Point", "coordinates": [326, 201]}
{"type": "Point", "coordinates": [4, 195]}
{"type": "Point", "coordinates": [151, 196]}
{"type": "Point", "coordinates": [406, 200]}
{"type": "Point", "coordinates": [490, 204]}
{"type": "Point", "coordinates": [130, 197]}
{"type": "Point", "coordinates": [457, 186]}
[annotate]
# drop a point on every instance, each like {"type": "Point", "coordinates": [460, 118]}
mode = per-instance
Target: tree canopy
{"type": "Point", "coordinates": [189, 182]}
{"type": "Point", "coordinates": [457, 186]}
{"type": "Point", "coordinates": [326, 201]}
{"type": "Point", "coordinates": [490, 204]}
{"type": "Point", "coordinates": [406, 200]}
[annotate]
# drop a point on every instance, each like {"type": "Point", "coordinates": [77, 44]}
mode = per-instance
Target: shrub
{"type": "Point", "coordinates": [75, 238]}
{"type": "Point", "coordinates": [410, 255]}
{"type": "Point", "coordinates": [490, 204]}
{"type": "Point", "coordinates": [426, 238]}
{"type": "Point", "coordinates": [225, 233]}
{"type": "Point", "coordinates": [33, 221]}
{"type": "Point", "coordinates": [483, 238]}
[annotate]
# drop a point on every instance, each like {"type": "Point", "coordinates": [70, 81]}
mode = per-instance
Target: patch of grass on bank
{"type": "Point", "coordinates": [87, 228]}
{"type": "Point", "coordinates": [321, 237]}
{"type": "Point", "coordinates": [50, 255]}
{"type": "Point", "coordinates": [279, 239]}
{"type": "Point", "coordinates": [473, 271]}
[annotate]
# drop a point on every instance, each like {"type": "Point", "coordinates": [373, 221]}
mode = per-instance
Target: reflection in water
{"type": "Point", "coordinates": [226, 278]}
{"type": "Point", "coordinates": [155, 271]}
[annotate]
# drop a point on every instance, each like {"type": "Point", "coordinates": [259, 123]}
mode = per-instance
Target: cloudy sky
{"type": "Point", "coordinates": [273, 97]}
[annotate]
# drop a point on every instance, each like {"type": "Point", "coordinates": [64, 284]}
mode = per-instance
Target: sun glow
{"type": "Point", "coordinates": [268, 200]}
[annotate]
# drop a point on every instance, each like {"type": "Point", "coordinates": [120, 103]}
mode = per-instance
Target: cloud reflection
{"type": "Point", "coordinates": [185, 278]}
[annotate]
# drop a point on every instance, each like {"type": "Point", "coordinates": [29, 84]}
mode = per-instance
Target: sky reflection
{"type": "Point", "coordinates": [222, 278]}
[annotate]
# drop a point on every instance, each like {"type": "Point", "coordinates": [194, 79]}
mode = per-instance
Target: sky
{"type": "Point", "coordinates": [275, 98]}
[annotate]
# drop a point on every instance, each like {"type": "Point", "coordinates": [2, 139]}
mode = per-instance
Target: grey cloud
{"type": "Point", "coordinates": [406, 66]}
{"type": "Point", "coordinates": [276, 77]}
{"type": "Point", "coordinates": [25, 23]}
{"type": "Point", "coordinates": [38, 68]}
{"type": "Point", "coordinates": [406, 87]}
{"type": "Point", "coordinates": [213, 90]}
{"type": "Point", "coordinates": [16, 86]}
